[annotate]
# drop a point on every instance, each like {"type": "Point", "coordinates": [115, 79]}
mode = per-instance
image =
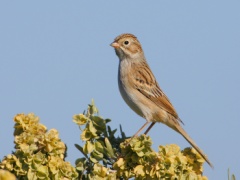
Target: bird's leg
{"type": "Point", "coordinates": [150, 127]}
{"type": "Point", "coordinates": [135, 135]}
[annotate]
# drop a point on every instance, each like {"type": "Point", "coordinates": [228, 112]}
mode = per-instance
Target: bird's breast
{"type": "Point", "coordinates": [126, 88]}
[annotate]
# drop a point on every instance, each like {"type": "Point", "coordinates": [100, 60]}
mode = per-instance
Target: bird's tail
{"type": "Point", "coordinates": [190, 140]}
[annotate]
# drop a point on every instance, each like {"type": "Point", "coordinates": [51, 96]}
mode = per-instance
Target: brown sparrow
{"type": "Point", "coordinates": [141, 91]}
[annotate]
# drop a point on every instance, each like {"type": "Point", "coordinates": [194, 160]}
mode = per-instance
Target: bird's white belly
{"type": "Point", "coordinates": [129, 94]}
{"type": "Point", "coordinates": [130, 99]}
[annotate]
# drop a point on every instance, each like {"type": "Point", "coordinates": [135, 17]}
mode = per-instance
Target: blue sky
{"type": "Point", "coordinates": [55, 57]}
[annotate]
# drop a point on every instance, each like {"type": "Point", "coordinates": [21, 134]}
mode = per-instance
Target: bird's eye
{"type": "Point", "coordinates": [126, 42]}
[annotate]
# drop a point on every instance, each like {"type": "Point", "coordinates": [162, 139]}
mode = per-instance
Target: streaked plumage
{"type": "Point", "coordinates": [141, 91]}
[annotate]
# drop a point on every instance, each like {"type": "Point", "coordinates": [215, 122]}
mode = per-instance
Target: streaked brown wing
{"type": "Point", "coordinates": [146, 83]}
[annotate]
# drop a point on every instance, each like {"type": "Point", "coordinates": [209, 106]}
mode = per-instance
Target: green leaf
{"type": "Point", "coordinates": [231, 177]}
{"type": "Point", "coordinates": [92, 129]}
{"type": "Point", "coordinates": [42, 172]}
{"type": "Point", "coordinates": [98, 146]}
{"type": "Point", "coordinates": [139, 170]}
{"type": "Point", "coordinates": [80, 164]}
{"type": "Point", "coordinates": [109, 148]}
{"type": "Point", "coordinates": [92, 109]}
{"type": "Point", "coordinates": [99, 123]}
{"type": "Point", "coordinates": [88, 147]}
{"type": "Point", "coordinates": [96, 155]}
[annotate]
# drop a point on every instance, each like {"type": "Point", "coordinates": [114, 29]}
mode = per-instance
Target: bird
{"type": "Point", "coordinates": [141, 91]}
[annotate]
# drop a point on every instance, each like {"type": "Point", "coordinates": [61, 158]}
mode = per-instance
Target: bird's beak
{"type": "Point", "coordinates": [115, 45]}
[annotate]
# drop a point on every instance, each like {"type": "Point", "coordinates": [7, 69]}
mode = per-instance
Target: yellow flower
{"type": "Point", "coordinates": [80, 119]}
